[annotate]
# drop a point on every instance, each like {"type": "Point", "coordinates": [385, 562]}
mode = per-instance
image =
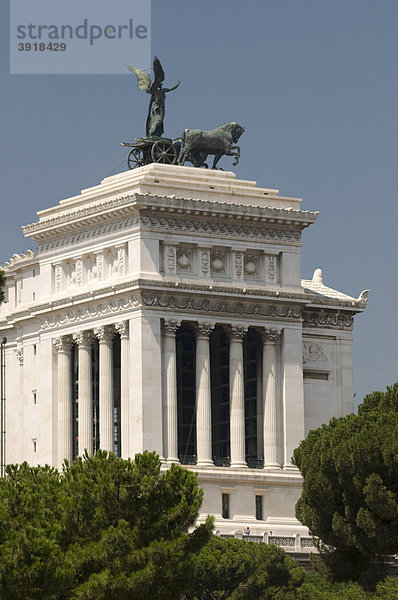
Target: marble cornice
{"type": "Point", "coordinates": [183, 297]}
{"type": "Point", "coordinates": [144, 203]}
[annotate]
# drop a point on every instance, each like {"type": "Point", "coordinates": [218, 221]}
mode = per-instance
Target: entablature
{"type": "Point", "coordinates": [150, 206]}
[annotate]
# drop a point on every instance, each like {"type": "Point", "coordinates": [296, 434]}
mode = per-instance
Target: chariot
{"type": "Point", "coordinates": [144, 151]}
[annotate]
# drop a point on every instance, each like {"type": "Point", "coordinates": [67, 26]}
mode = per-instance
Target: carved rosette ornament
{"type": "Point", "coordinates": [184, 259]}
{"type": "Point", "coordinates": [63, 344]}
{"type": "Point", "coordinates": [105, 334]}
{"type": "Point", "coordinates": [204, 329]}
{"type": "Point", "coordinates": [217, 262]}
{"type": "Point", "coordinates": [252, 266]}
{"type": "Point", "coordinates": [170, 326]}
{"type": "Point", "coordinates": [84, 339]}
{"type": "Point", "coordinates": [237, 332]}
{"type": "Point", "coordinates": [271, 335]}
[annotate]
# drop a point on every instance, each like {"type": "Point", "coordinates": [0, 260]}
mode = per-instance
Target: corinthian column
{"type": "Point", "coordinates": [85, 398]}
{"type": "Point", "coordinates": [270, 337]}
{"type": "Point", "coordinates": [237, 396]}
{"type": "Point", "coordinates": [170, 327]}
{"type": "Point", "coordinates": [203, 395]}
{"type": "Point", "coordinates": [63, 346]}
{"type": "Point", "coordinates": [123, 330]}
{"type": "Point", "coordinates": [105, 336]}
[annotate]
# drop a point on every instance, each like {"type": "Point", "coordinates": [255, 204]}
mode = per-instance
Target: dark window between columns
{"type": "Point", "coordinates": [95, 394]}
{"type": "Point", "coordinates": [219, 371]}
{"type": "Point", "coordinates": [186, 393]}
{"type": "Point", "coordinates": [252, 355]}
{"type": "Point", "coordinates": [75, 405]}
{"type": "Point", "coordinates": [116, 396]}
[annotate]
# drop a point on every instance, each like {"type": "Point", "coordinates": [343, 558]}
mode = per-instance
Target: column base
{"type": "Point", "coordinates": [239, 465]}
{"type": "Point", "coordinates": [272, 467]}
{"type": "Point", "coordinates": [292, 468]}
{"type": "Point", "coordinates": [204, 463]}
{"type": "Point", "coordinates": [173, 460]}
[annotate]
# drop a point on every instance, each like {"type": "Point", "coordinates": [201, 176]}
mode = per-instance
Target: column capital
{"type": "Point", "coordinates": [105, 333]}
{"type": "Point", "coordinates": [84, 339]}
{"type": "Point", "coordinates": [237, 332]}
{"type": "Point", "coordinates": [271, 335]}
{"type": "Point", "coordinates": [170, 326]}
{"type": "Point", "coordinates": [63, 343]}
{"type": "Point", "coordinates": [123, 329]}
{"type": "Point", "coordinates": [203, 329]}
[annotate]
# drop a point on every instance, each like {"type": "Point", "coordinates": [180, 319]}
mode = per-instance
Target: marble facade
{"type": "Point", "coordinates": [128, 272]}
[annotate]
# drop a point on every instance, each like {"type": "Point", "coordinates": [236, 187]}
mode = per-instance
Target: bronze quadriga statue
{"type": "Point", "coordinates": [193, 146]}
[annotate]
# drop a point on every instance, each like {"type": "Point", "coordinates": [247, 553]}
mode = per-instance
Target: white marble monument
{"type": "Point", "coordinates": [163, 310]}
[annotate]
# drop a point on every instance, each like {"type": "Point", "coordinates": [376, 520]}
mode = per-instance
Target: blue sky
{"type": "Point", "coordinates": [315, 84]}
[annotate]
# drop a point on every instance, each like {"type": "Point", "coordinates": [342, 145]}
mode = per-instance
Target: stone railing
{"type": "Point", "coordinates": [294, 543]}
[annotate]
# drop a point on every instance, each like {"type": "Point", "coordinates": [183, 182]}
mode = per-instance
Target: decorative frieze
{"type": "Point", "coordinates": [328, 320]}
{"type": "Point", "coordinates": [90, 268]}
{"type": "Point", "coordinates": [213, 228]}
{"type": "Point", "coordinates": [161, 301]}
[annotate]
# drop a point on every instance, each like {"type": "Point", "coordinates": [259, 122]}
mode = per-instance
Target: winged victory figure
{"type": "Point", "coordinates": [156, 111]}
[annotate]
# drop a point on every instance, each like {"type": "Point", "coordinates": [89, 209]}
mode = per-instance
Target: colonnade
{"type": "Point", "coordinates": [268, 389]}
{"type": "Point", "coordinates": [204, 455]}
{"type": "Point", "coordinates": [84, 341]}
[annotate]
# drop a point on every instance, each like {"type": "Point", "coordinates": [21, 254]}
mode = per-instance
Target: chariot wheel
{"type": "Point", "coordinates": [163, 151]}
{"type": "Point", "coordinates": [135, 159]}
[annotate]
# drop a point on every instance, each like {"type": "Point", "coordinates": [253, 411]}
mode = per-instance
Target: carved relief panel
{"type": "Point", "coordinates": [218, 263]}
{"type": "Point", "coordinates": [252, 266]}
{"type": "Point", "coordinates": [185, 260]}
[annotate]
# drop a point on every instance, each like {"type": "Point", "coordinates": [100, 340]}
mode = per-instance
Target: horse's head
{"type": "Point", "coordinates": [236, 130]}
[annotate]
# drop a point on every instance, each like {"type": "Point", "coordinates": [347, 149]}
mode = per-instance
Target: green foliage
{"type": "Point", "coordinates": [240, 570]}
{"type": "Point", "coordinates": [2, 283]}
{"type": "Point", "coordinates": [106, 528]}
{"type": "Point", "coordinates": [350, 489]}
{"type": "Point", "coordinates": [317, 588]}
